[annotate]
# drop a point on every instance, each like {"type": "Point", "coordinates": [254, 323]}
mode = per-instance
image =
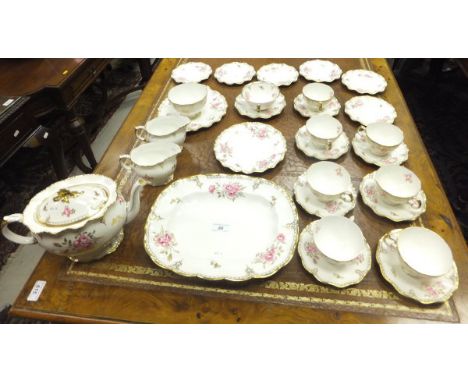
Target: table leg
{"type": "Point", "coordinates": [78, 129]}
{"type": "Point", "coordinates": [55, 147]}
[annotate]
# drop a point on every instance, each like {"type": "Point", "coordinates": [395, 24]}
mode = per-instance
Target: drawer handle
{"type": "Point", "coordinates": [15, 134]}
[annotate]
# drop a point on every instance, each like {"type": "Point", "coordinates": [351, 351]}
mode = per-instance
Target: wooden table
{"type": "Point", "coordinates": [51, 87]}
{"type": "Point", "coordinates": [127, 287]}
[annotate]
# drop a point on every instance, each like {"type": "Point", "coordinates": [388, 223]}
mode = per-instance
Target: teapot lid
{"type": "Point", "coordinates": [71, 205]}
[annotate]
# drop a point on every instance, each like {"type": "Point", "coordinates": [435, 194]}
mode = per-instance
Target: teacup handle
{"type": "Point", "coordinates": [126, 166]}
{"type": "Point", "coordinates": [415, 203]}
{"type": "Point", "coordinates": [14, 237]}
{"type": "Point", "coordinates": [361, 129]}
{"type": "Point", "coordinates": [347, 196]}
{"type": "Point", "coordinates": [390, 240]}
{"type": "Point", "coordinates": [141, 133]}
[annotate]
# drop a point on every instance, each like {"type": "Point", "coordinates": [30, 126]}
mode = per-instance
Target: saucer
{"type": "Point", "coordinates": [191, 72]}
{"type": "Point", "coordinates": [364, 81]}
{"type": "Point", "coordinates": [361, 148]}
{"type": "Point", "coordinates": [331, 108]}
{"type": "Point", "coordinates": [373, 199]}
{"type": "Point", "coordinates": [339, 147]}
{"type": "Point", "coordinates": [430, 291]}
{"type": "Point", "coordinates": [234, 73]}
{"type": "Point", "coordinates": [278, 74]}
{"type": "Point", "coordinates": [320, 71]}
{"type": "Point", "coordinates": [247, 110]}
{"type": "Point", "coordinates": [214, 109]}
{"type": "Point", "coordinates": [250, 147]}
{"type": "Point", "coordinates": [336, 274]}
{"type": "Point", "coordinates": [369, 109]}
{"type": "Point", "coordinates": [307, 200]}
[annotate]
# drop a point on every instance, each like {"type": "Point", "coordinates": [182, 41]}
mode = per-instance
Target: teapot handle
{"type": "Point", "coordinates": [14, 237]}
{"type": "Point", "coordinates": [126, 166]}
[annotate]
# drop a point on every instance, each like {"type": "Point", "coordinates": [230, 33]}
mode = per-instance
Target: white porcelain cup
{"type": "Point", "coordinates": [423, 253]}
{"type": "Point", "coordinates": [323, 130]}
{"type": "Point", "coordinates": [154, 162]}
{"type": "Point", "coordinates": [317, 95]}
{"type": "Point", "coordinates": [329, 181]}
{"type": "Point", "coordinates": [398, 185]}
{"type": "Point", "coordinates": [382, 138]}
{"type": "Point", "coordinates": [189, 98]}
{"type": "Point", "coordinates": [260, 95]}
{"type": "Point", "coordinates": [339, 239]}
{"type": "Point", "coordinates": [164, 129]}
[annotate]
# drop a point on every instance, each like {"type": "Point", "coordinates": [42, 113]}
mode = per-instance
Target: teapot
{"type": "Point", "coordinates": [80, 217]}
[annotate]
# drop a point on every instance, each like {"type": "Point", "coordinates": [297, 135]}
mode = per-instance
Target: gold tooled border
{"type": "Point", "coordinates": [223, 162]}
{"type": "Point", "coordinates": [394, 285]}
{"type": "Point", "coordinates": [275, 285]}
{"type": "Point", "coordinates": [234, 176]}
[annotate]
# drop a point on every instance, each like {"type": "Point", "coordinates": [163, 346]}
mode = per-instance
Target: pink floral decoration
{"type": "Point", "coordinates": [67, 211]}
{"type": "Point", "coordinates": [269, 255]}
{"type": "Point", "coordinates": [164, 239]}
{"type": "Point", "coordinates": [280, 238]}
{"type": "Point", "coordinates": [232, 189]}
{"type": "Point", "coordinates": [83, 240]}
{"type": "Point", "coordinates": [212, 188]}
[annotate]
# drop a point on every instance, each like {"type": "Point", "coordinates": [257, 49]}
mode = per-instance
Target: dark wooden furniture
{"type": "Point", "coordinates": [52, 88]}
{"type": "Point", "coordinates": [127, 287]}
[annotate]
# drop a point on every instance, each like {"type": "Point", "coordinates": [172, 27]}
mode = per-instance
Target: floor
{"type": "Point", "coordinates": [20, 265]}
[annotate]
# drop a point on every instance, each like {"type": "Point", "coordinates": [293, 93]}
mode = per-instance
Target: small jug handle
{"type": "Point", "coordinates": [415, 203]}
{"type": "Point", "coordinates": [126, 166]}
{"type": "Point", "coordinates": [141, 133]}
{"type": "Point", "coordinates": [347, 196]}
{"type": "Point", "coordinates": [14, 237]}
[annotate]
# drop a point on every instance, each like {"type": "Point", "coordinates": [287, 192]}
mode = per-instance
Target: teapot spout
{"type": "Point", "coordinates": [133, 205]}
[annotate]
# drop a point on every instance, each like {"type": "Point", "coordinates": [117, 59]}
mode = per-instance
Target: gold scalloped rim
{"type": "Point", "coordinates": [379, 213]}
{"type": "Point", "coordinates": [395, 286]}
{"type": "Point", "coordinates": [291, 68]}
{"type": "Point", "coordinates": [367, 159]}
{"type": "Point", "coordinates": [312, 78]}
{"type": "Point", "coordinates": [259, 114]}
{"type": "Point", "coordinates": [307, 209]}
{"type": "Point", "coordinates": [352, 115]}
{"type": "Point", "coordinates": [303, 256]}
{"type": "Point", "coordinates": [203, 277]}
{"type": "Point", "coordinates": [219, 115]}
{"type": "Point", "coordinates": [226, 164]}
{"type": "Point", "coordinates": [345, 80]}
{"type": "Point", "coordinates": [314, 113]}
{"type": "Point", "coordinates": [251, 74]}
{"type": "Point", "coordinates": [191, 63]}
{"type": "Point", "coordinates": [319, 157]}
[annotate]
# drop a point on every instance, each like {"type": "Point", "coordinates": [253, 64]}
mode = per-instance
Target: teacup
{"type": "Point", "coordinates": [382, 138]}
{"type": "Point", "coordinates": [398, 185]}
{"type": "Point", "coordinates": [324, 130]}
{"type": "Point", "coordinates": [329, 181]}
{"type": "Point", "coordinates": [188, 99]}
{"type": "Point", "coordinates": [155, 162]}
{"type": "Point", "coordinates": [260, 95]}
{"type": "Point", "coordinates": [339, 239]}
{"type": "Point", "coordinates": [164, 129]}
{"type": "Point", "coordinates": [423, 253]}
{"type": "Point", "coordinates": [317, 95]}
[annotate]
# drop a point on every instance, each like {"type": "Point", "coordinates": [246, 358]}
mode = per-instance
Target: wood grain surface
{"type": "Point", "coordinates": [127, 287]}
